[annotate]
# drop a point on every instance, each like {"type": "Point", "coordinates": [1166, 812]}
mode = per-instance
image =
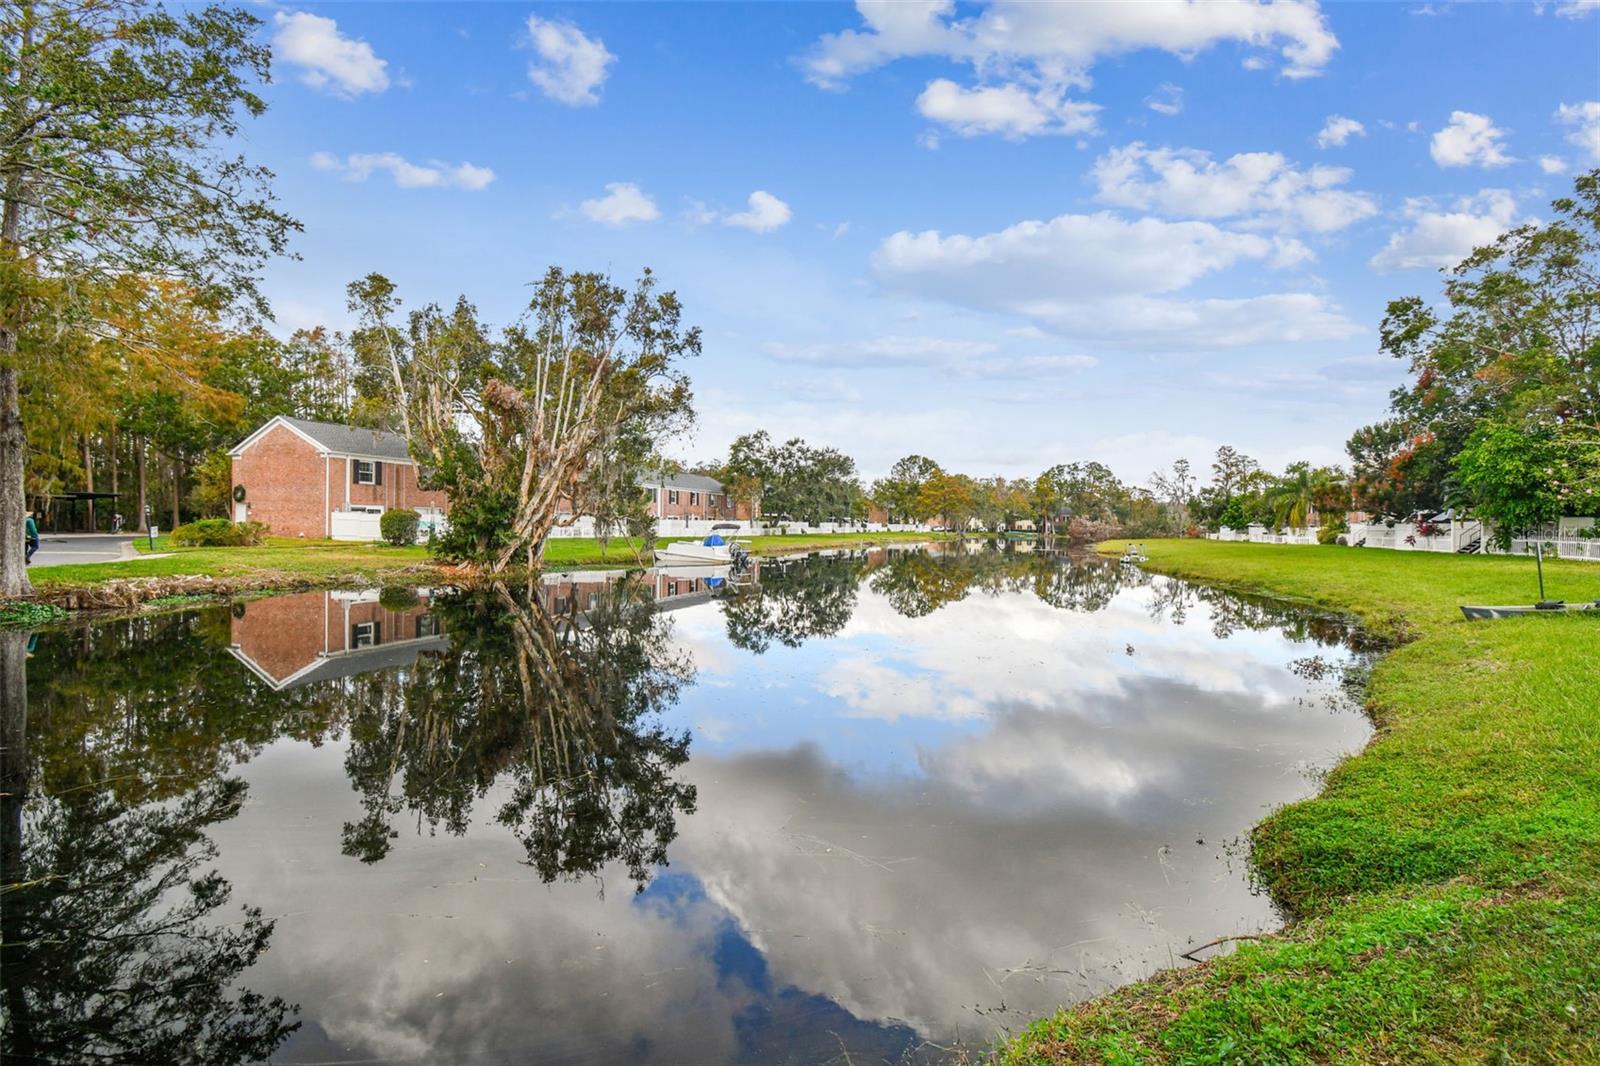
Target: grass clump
{"type": "Point", "coordinates": [1446, 882]}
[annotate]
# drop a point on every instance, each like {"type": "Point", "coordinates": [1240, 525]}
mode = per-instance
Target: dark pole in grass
{"type": "Point", "coordinates": [1538, 561]}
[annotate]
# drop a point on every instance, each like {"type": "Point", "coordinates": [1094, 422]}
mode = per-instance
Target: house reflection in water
{"type": "Point", "coordinates": [672, 587]}
{"type": "Point", "coordinates": [289, 641]}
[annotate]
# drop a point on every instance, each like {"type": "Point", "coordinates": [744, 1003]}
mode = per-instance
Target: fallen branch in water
{"type": "Point", "coordinates": [1190, 954]}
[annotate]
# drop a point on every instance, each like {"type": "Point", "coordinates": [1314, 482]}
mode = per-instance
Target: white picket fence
{"type": "Point", "coordinates": [1262, 535]}
{"type": "Point", "coordinates": [667, 528]}
{"type": "Point", "coordinates": [1561, 541]}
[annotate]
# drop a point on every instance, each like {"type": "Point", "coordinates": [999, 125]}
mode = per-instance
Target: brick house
{"type": "Point", "coordinates": [691, 496]}
{"type": "Point", "coordinates": [297, 475]}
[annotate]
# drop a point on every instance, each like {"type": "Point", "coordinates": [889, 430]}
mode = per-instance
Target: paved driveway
{"type": "Point", "coordinates": [58, 548]}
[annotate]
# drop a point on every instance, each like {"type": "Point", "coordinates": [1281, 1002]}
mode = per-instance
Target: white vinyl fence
{"type": "Point", "coordinates": [1560, 541]}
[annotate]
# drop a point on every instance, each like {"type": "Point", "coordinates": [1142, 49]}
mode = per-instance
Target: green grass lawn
{"type": "Point", "coordinates": [311, 560]}
{"type": "Point", "coordinates": [1446, 882]}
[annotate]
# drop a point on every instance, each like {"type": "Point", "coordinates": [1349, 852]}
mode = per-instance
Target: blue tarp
{"type": "Point", "coordinates": [713, 541]}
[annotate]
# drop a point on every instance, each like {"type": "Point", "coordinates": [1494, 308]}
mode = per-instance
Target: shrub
{"type": "Point", "coordinates": [219, 533]}
{"type": "Point", "coordinates": [398, 598]}
{"type": "Point", "coordinates": [399, 526]}
{"type": "Point", "coordinates": [1333, 531]}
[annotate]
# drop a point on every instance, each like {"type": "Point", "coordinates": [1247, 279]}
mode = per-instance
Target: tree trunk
{"type": "Point", "coordinates": [177, 487]}
{"type": "Point", "coordinates": [13, 795]}
{"type": "Point", "coordinates": [13, 455]}
{"type": "Point", "coordinates": [88, 478]}
{"type": "Point", "coordinates": [139, 520]}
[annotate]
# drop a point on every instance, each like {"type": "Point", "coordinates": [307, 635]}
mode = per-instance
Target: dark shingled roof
{"type": "Point", "coordinates": [693, 482]}
{"type": "Point", "coordinates": [352, 440]}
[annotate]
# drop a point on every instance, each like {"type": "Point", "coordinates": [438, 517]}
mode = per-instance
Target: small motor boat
{"type": "Point", "coordinates": [715, 550]}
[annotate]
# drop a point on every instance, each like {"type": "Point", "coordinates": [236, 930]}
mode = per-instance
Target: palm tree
{"type": "Point", "coordinates": [1304, 489]}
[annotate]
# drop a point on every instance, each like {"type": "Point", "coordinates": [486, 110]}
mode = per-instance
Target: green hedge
{"type": "Point", "coordinates": [219, 533]}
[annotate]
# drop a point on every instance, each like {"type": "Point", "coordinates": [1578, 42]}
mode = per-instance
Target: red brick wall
{"type": "Point", "coordinates": [702, 507]}
{"type": "Point", "coordinates": [399, 488]}
{"type": "Point", "coordinates": [285, 634]}
{"type": "Point", "coordinates": [282, 475]}
{"type": "Point", "coordinates": [281, 635]}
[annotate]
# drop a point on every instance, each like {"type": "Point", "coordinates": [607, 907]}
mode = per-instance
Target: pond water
{"type": "Point", "coordinates": [858, 806]}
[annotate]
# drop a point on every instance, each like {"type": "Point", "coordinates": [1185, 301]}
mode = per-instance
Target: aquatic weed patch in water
{"type": "Point", "coordinates": [24, 614]}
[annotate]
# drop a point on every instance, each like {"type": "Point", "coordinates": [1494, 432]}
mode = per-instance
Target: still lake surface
{"type": "Point", "coordinates": [864, 804]}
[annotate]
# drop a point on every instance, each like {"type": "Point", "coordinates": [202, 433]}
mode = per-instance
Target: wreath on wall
{"type": "Point", "coordinates": [238, 494]}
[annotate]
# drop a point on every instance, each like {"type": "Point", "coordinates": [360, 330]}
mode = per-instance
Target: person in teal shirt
{"type": "Point", "coordinates": [30, 533]}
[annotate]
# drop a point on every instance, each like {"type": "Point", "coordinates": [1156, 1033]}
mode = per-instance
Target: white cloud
{"type": "Point", "coordinates": [1009, 110]}
{"type": "Point", "coordinates": [967, 358]}
{"type": "Point", "coordinates": [1552, 164]}
{"type": "Point", "coordinates": [766, 213]}
{"type": "Point", "coordinates": [883, 352]}
{"type": "Point", "coordinates": [1443, 237]}
{"type": "Point", "coordinates": [1261, 186]}
{"type": "Point", "coordinates": [359, 166]}
{"type": "Point", "coordinates": [1469, 140]}
{"type": "Point", "coordinates": [1577, 9]}
{"type": "Point", "coordinates": [699, 213]}
{"type": "Point", "coordinates": [1166, 100]}
{"type": "Point", "coordinates": [623, 202]}
{"type": "Point", "coordinates": [1338, 130]}
{"type": "Point", "coordinates": [1586, 117]}
{"type": "Point", "coordinates": [328, 59]}
{"type": "Point", "coordinates": [821, 390]}
{"type": "Point", "coordinates": [1057, 44]}
{"type": "Point", "coordinates": [569, 66]}
{"type": "Point", "coordinates": [1031, 367]}
{"type": "Point", "coordinates": [1095, 255]}
{"type": "Point", "coordinates": [1103, 277]}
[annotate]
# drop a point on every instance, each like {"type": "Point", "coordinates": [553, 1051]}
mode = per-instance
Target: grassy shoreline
{"type": "Point", "coordinates": [1444, 887]}
{"type": "Point", "coordinates": [286, 564]}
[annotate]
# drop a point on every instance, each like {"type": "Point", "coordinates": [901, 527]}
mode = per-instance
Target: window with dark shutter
{"type": "Point", "coordinates": [377, 473]}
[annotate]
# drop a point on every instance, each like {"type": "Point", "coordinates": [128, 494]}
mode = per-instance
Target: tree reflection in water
{"type": "Point", "coordinates": [113, 941]}
{"type": "Point", "coordinates": [119, 941]}
{"type": "Point", "coordinates": [557, 704]}
{"type": "Point", "coordinates": [918, 583]}
{"type": "Point", "coordinates": [796, 600]}
{"type": "Point", "coordinates": [815, 597]}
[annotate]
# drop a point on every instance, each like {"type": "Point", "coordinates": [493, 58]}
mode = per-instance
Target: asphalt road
{"type": "Point", "coordinates": [58, 548]}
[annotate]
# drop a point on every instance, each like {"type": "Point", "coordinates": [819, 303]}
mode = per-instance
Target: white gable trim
{"type": "Point", "coordinates": [276, 420]}
{"type": "Point", "coordinates": [386, 459]}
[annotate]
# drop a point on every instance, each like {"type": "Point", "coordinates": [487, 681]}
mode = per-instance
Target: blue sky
{"type": "Point", "coordinates": [1002, 235]}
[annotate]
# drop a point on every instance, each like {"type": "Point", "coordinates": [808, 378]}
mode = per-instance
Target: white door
{"type": "Point", "coordinates": [241, 511]}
